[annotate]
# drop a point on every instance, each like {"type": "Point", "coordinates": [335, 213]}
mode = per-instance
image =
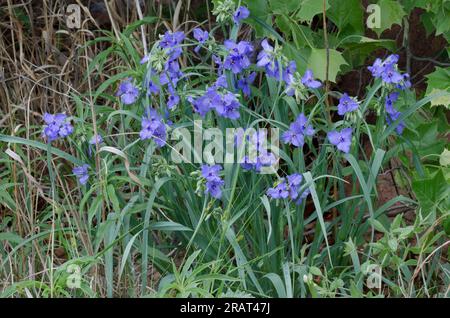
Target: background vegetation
{"type": "Point", "coordinates": [140, 228]}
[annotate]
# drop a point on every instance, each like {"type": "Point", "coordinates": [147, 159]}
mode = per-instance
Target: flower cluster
{"type": "Point", "coordinates": [297, 131]}
{"type": "Point", "coordinates": [153, 127]}
{"type": "Point", "coordinates": [387, 70]}
{"type": "Point", "coordinates": [226, 104]}
{"type": "Point", "coordinates": [238, 58]}
{"type": "Point", "coordinates": [289, 188]}
{"type": "Point", "coordinates": [213, 183]}
{"type": "Point", "coordinates": [56, 126]}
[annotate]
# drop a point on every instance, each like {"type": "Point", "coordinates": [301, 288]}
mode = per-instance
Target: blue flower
{"type": "Point", "coordinates": [245, 82]}
{"type": "Point", "coordinates": [213, 181]}
{"type": "Point", "coordinates": [173, 101]}
{"type": "Point", "coordinates": [391, 113]}
{"type": "Point", "coordinates": [346, 105]}
{"type": "Point", "coordinates": [56, 126]}
{"type": "Point", "coordinates": [203, 104]}
{"type": "Point", "coordinates": [128, 92]}
{"type": "Point", "coordinates": [392, 117]}
{"type": "Point", "coordinates": [240, 14]}
{"type": "Point", "coordinates": [288, 73]}
{"type": "Point", "coordinates": [295, 135]}
{"type": "Point", "coordinates": [211, 172]}
{"type": "Point", "coordinates": [214, 188]}
{"type": "Point", "coordinates": [379, 66]}
{"type": "Point", "coordinates": [227, 106]}
{"type": "Point", "coordinates": [171, 42]}
{"type": "Point", "coordinates": [238, 57]}
{"type": "Point", "coordinates": [309, 81]}
{"type": "Point", "coordinates": [153, 127]}
{"type": "Point", "coordinates": [391, 76]}
{"type": "Point", "coordinates": [341, 139]}
{"type": "Point", "coordinates": [81, 172]}
{"type": "Point", "coordinates": [266, 56]}
{"type": "Point", "coordinates": [96, 139]}
{"type": "Point", "coordinates": [278, 192]}
{"type": "Point", "coordinates": [201, 36]}
{"type": "Point", "coordinates": [289, 189]}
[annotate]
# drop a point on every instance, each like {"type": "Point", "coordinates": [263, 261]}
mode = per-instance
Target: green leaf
{"type": "Point", "coordinates": [431, 191]}
{"type": "Point", "coordinates": [439, 81]}
{"type": "Point", "coordinates": [391, 12]}
{"type": "Point", "coordinates": [309, 8]}
{"type": "Point", "coordinates": [283, 6]}
{"type": "Point", "coordinates": [347, 14]}
{"type": "Point", "coordinates": [444, 159]}
{"type": "Point", "coordinates": [318, 60]}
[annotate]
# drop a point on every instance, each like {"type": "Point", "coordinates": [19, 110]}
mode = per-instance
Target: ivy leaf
{"type": "Point", "coordinates": [431, 191]}
{"type": "Point", "coordinates": [347, 14]}
{"type": "Point", "coordinates": [309, 8]}
{"type": "Point", "coordinates": [438, 82]}
{"type": "Point", "coordinates": [391, 12]}
{"type": "Point", "coordinates": [284, 6]}
{"type": "Point", "coordinates": [318, 60]}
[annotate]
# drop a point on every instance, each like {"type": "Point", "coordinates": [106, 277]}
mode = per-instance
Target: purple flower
{"type": "Point", "coordinates": [392, 117]}
{"type": "Point", "coordinates": [238, 57]}
{"type": "Point", "coordinates": [214, 188]}
{"type": "Point", "coordinates": [152, 88]}
{"type": "Point", "coordinates": [145, 59]}
{"type": "Point", "coordinates": [81, 172]}
{"type": "Point", "coordinates": [309, 81]}
{"type": "Point", "coordinates": [379, 66]}
{"type": "Point", "coordinates": [203, 104]}
{"type": "Point", "coordinates": [391, 113]}
{"type": "Point", "coordinates": [289, 189]}
{"type": "Point", "coordinates": [213, 181]}
{"type": "Point", "coordinates": [240, 14]}
{"type": "Point", "coordinates": [295, 135]}
{"type": "Point", "coordinates": [391, 76]}
{"type": "Point", "coordinates": [173, 101]}
{"type": "Point", "coordinates": [346, 105]}
{"type": "Point", "coordinates": [221, 82]}
{"type": "Point", "coordinates": [266, 55]}
{"type": "Point", "coordinates": [128, 92]}
{"type": "Point", "coordinates": [201, 36]}
{"type": "Point", "coordinates": [288, 73]}
{"type": "Point", "coordinates": [56, 126]}
{"type": "Point", "coordinates": [153, 127]}
{"type": "Point", "coordinates": [278, 192]}
{"type": "Point", "coordinates": [341, 139]}
{"type": "Point", "coordinates": [227, 106]}
{"type": "Point", "coordinates": [245, 82]}
{"type": "Point", "coordinates": [211, 172]}
{"type": "Point", "coordinates": [171, 42]}
{"type": "Point", "coordinates": [389, 102]}
{"type": "Point", "coordinates": [96, 139]}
